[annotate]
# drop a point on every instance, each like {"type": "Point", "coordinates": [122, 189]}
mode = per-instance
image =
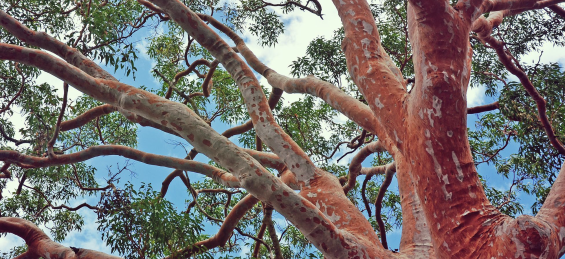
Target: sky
{"type": "Point", "coordinates": [300, 29]}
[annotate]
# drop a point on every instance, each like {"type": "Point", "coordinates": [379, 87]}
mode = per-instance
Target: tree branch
{"type": "Point", "coordinates": [223, 235]}
{"type": "Point", "coordinates": [483, 27]}
{"type": "Point", "coordinates": [390, 170]}
{"type": "Point", "coordinates": [483, 108]}
{"type": "Point", "coordinates": [332, 95]}
{"type": "Point", "coordinates": [355, 165]}
{"type": "Point", "coordinates": [88, 116]}
{"type": "Point", "coordinates": [40, 245]}
{"type": "Point", "coordinates": [27, 161]}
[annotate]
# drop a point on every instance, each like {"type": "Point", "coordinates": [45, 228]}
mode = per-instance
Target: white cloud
{"type": "Point", "coordinates": [300, 29]}
{"type": "Point", "coordinates": [475, 96]}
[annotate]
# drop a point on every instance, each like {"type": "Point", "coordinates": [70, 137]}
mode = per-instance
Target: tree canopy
{"type": "Point", "coordinates": [384, 100]}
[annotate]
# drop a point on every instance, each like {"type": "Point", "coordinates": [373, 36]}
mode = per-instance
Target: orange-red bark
{"type": "Point", "coordinates": [445, 211]}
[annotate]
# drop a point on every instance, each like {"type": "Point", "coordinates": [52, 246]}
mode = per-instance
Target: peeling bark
{"type": "Point", "coordinates": [445, 211]}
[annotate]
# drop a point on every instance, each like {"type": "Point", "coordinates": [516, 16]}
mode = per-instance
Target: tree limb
{"type": "Point", "coordinates": [483, 108]}
{"type": "Point", "coordinates": [27, 161]}
{"type": "Point", "coordinates": [40, 245]}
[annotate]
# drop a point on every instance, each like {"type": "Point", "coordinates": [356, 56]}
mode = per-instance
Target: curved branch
{"type": "Point", "coordinates": [274, 98]}
{"type": "Point", "coordinates": [87, 116]}
{"type": "Point", "coordinates": [332, 95]}
{"type": "Point", "coordinates": [508, 61]}
{"type": "Point", "coordinates": [26, 161]}
{"type": "Point", "coordinates": [355, 165]}
{"type": "Point", "coordinates": [4, 172]}
{"type": "Point", "coordinates": [224, 234]}
{"type": "Point", "coordinates": [308, 175]}
{"type": "Point", "coordinates": [207, 84]}
{"type": "Point", "coordinates": [390, 170]}
{"type": "Point", "coordinates": [378, 78]}
{"type": "Point", "coordinates": [523, 5]}
{"type": "Point", "coordinates": [40, 245]}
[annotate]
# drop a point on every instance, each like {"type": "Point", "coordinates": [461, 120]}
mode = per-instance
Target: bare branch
{"type": "Point", "coordinates": [483, 108]}
{"type": "Point", "coordinates": [88, 116]}
{"type": "Point", "coordinates": [27, 161]}
{"type": "Point", "coordinates": [223, 235]}
{"type": "Point", "coordinates": [40, 245]}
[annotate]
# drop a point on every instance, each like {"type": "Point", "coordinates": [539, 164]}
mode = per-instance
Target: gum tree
{"type": "Point", "coordinates": [399, 71]}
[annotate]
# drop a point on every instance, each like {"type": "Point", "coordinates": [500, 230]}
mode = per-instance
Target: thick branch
{"type": "Point", "coordinates": [40, 245]}
{"type": "Point", "coordinates": [88, 116]}
{"type": "Point", "coordinates": [377, 77]}
{"type": "Point", "coordinates": [281, 144]}
{"type": "Point", "coordinates": [483, 108]}
{"type": "Point", "coordinates": [344, 103]}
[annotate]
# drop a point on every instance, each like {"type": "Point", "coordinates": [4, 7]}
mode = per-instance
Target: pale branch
{"type": "Point", "coordinates": [355, 164]}
{"type": "Point", "coordinates": [390, 170]}
{"type": "Point", "coordinates": [26, 161]}
{"type": "Point", "coordinates": [72, 56]}
{"type": "Point", "coordinates": [263, 120]}
{"type": "Point", "coordinates": [40, 245]}
{"type": "Point", "coordinates": [51, 142]}
{"type": "Point", "coordinates": [44, 41]}
{"type": "Point", "coordinates": [331, 94]}
{"type": "Point", "coordinates": [227, 228]}
{"type": "Point", "coordinates": [483, 108]}
{"type": "Point", "coordinates": [267, 159]}
{"type": "Point", "coordinates": [199, 134]}
{"type": "Point", "coordinates": [274, 98]}
{"type": "Point", "coordinates": [152, 7]}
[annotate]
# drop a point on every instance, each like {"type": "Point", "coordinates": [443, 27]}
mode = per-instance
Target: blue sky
{"type": "Point", "coordinates": [301, 28]}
